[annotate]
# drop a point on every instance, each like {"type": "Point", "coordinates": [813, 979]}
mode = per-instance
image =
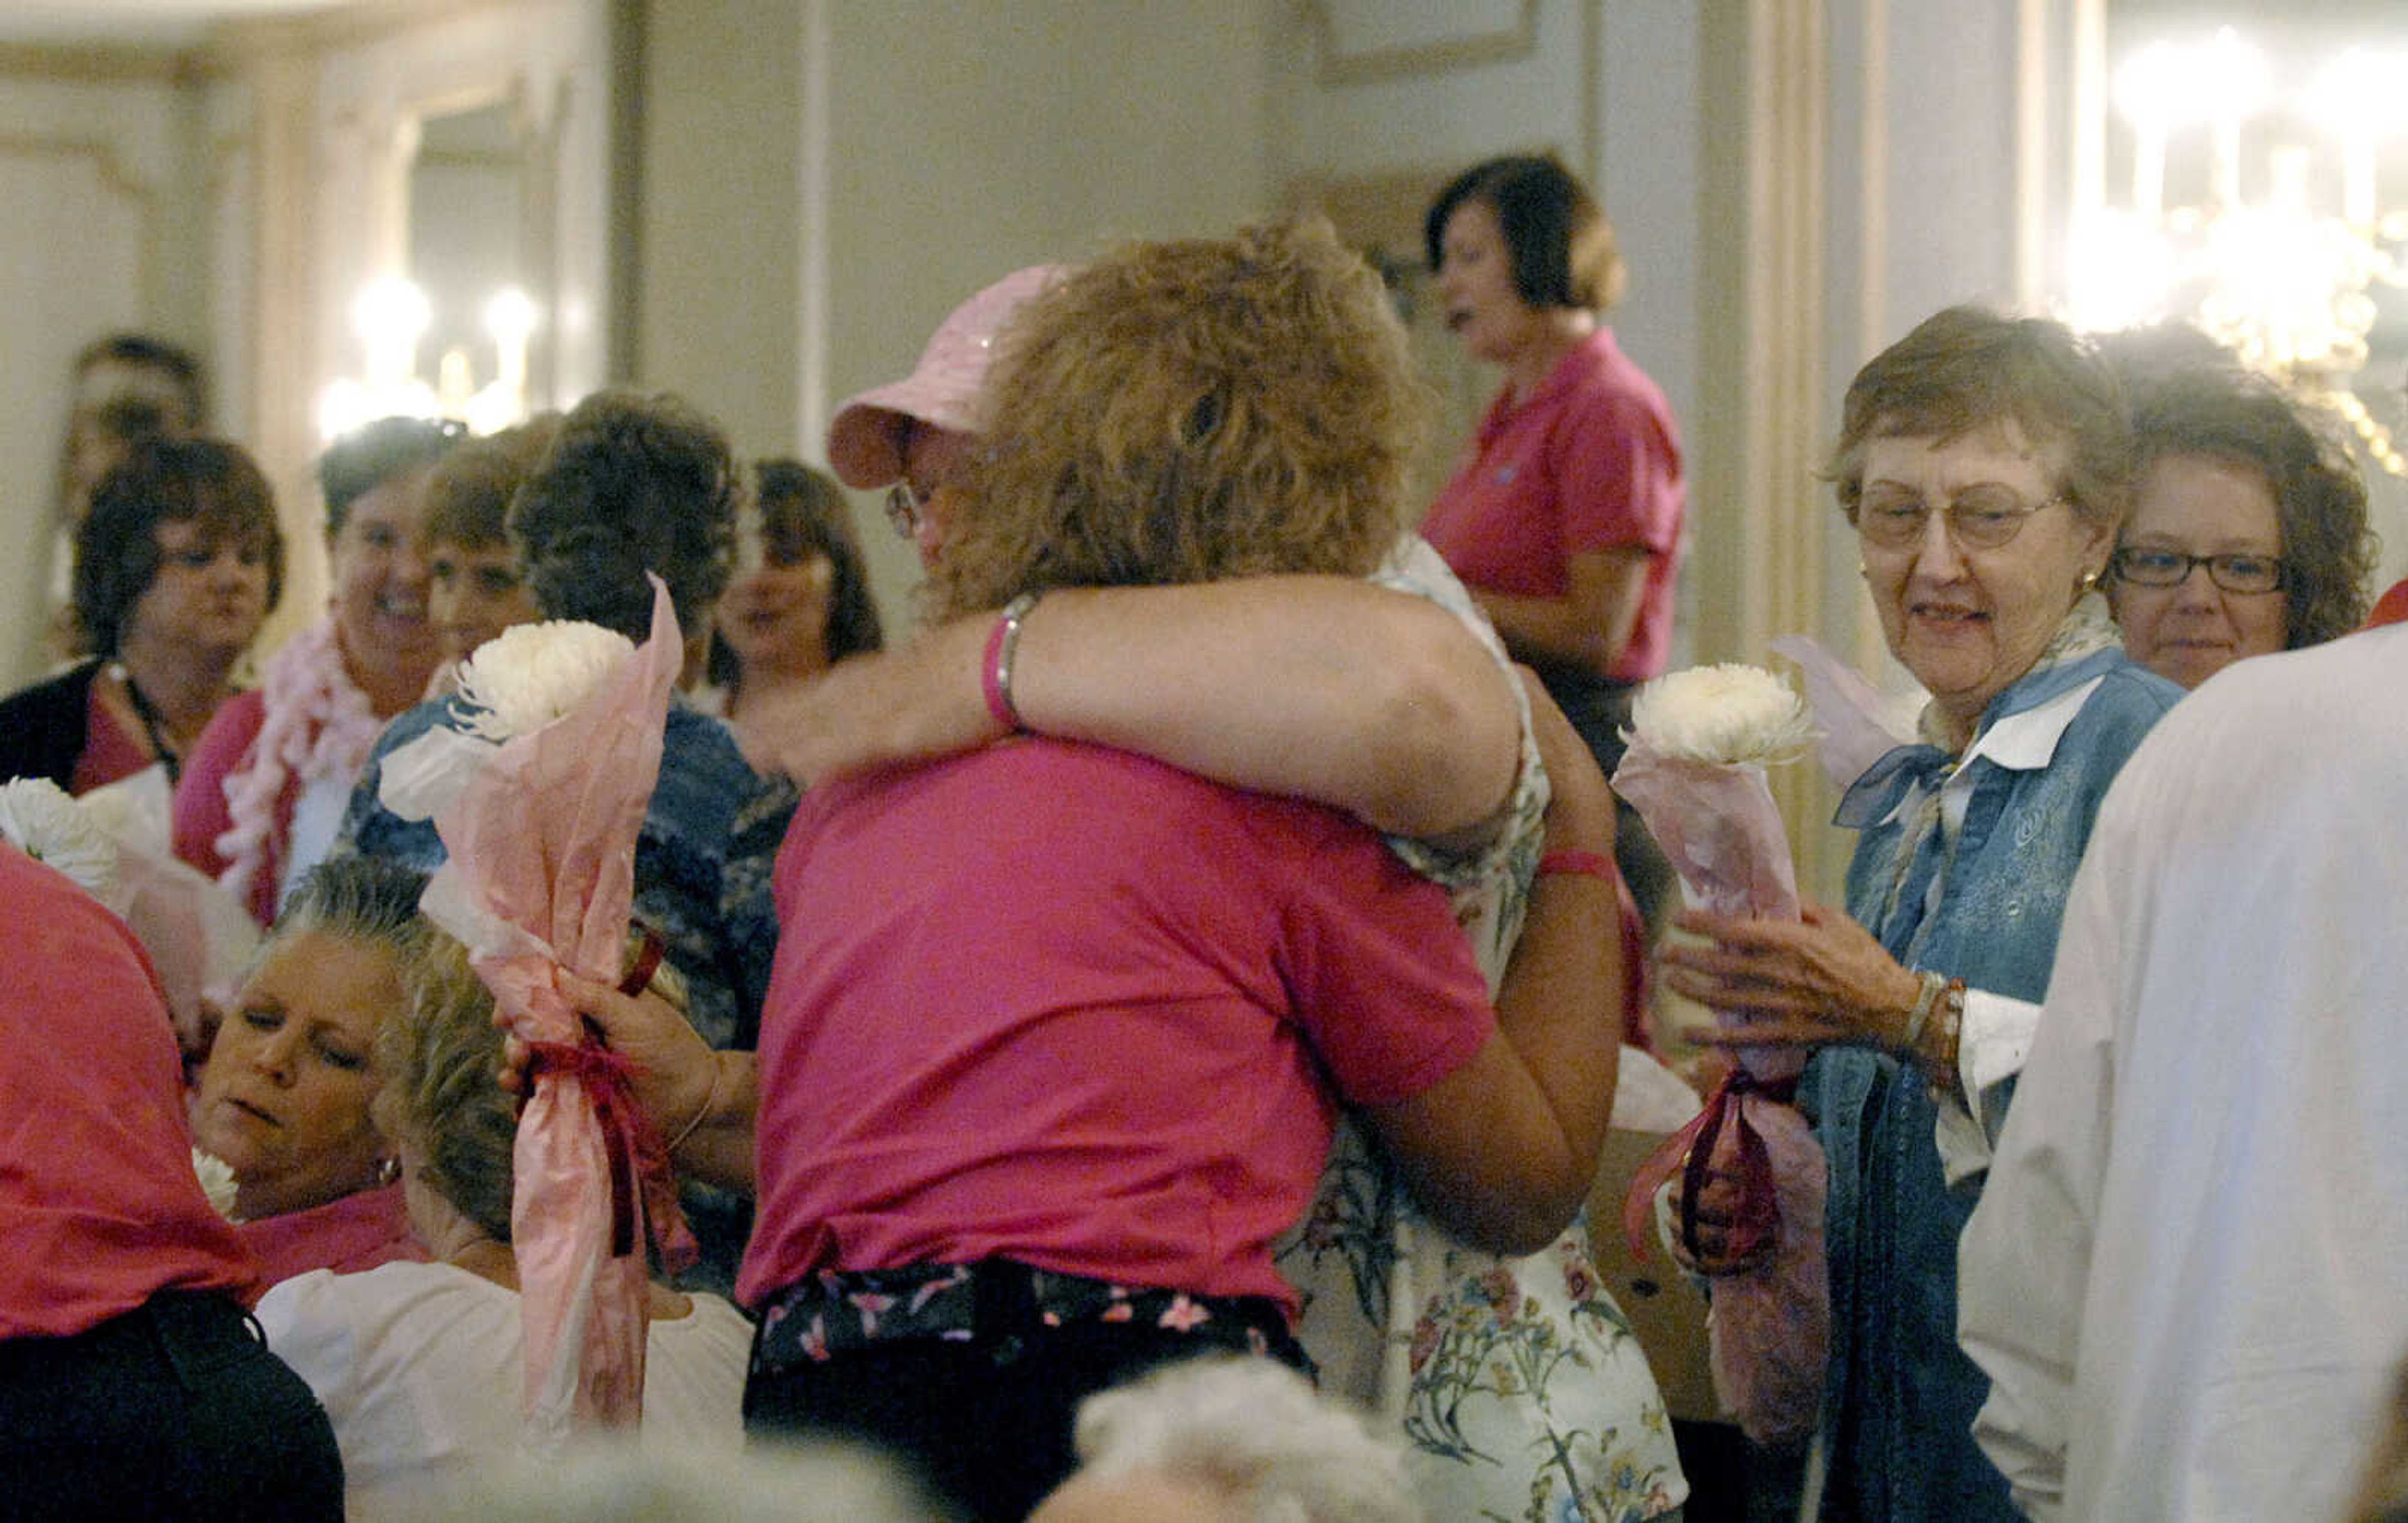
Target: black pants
{"type": "Point", "coordinates": [1599, 710]}
{"type": "Point", "coordinates": [176, 1409]}
{"type": "Point", "coordinates": [988, 1423]}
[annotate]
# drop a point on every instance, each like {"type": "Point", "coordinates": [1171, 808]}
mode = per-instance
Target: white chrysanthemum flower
{"type": "Point", "coordinates": [531, 674]}
{"type": "Point", "coordinates": [217, 1182]}
{"type": "Point", "coordinates": [40, 820]}
{"type": "Point", "coordinates": [1725, 714]}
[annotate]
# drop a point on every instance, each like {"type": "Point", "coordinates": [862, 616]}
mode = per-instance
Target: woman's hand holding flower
{"type": "Point", "coordinates": [1809, 983]}
{"type": "Point", "coordinates": [702, 1100]}
{"type": "Point", "coordinates": [671, 1062]}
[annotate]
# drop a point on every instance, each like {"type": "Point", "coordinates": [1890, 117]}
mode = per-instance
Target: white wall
{"type": "Point", "coordinates": [1373, 94]}
{"type": "Point", "coordinates": [959, 142]}
{"type": "Point", "coordinates": [721, 225]}
{"type": "Point", "coordinates": [104, 231]}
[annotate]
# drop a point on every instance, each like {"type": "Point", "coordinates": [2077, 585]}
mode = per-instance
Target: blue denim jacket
{"type": "Point", "coordinates": [1899, 1400]}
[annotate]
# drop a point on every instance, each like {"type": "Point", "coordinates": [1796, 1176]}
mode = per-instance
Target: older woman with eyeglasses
{"type": "Point", "coordinates": [1983, 462]}
{"type": "Point", "coordinates": [2248, 530]}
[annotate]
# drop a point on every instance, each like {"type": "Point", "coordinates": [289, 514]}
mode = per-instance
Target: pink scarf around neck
{"type": "Point", "coordinates": [315, 724]}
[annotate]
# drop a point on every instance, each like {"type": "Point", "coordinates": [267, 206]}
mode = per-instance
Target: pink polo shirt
{"type": "Point", "coordinates": [1589, 461]}
{"type": "Point", "coordinates": [1065, 1005]}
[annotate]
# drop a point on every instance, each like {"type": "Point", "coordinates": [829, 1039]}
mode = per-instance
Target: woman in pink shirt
{"type": "Point", "coordinates": [132, 1381]}
{"type": "Point", "coordinates": [283, 1094]}
{"type": "Point", "coordinates": [1058, 1035]}
{"type": "Point", "coordinates": [1565, 518]}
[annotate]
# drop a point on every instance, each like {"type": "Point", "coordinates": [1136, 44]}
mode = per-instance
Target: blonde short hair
{"type": "Point", "coordinates": [439, 1053]}
{"type": "Point", "coordinates": [1186, 411]}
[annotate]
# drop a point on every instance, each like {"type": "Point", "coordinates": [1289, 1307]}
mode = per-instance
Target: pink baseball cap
{"type": "Point", "coordinates": [865, 441]}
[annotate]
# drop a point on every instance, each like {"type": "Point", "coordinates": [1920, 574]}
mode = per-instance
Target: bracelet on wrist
{"type": "Point", "coordinates": [1952, 1033]}
{"type": "Point", "coordinates": [1938, 1056]}
{"type": "Point", "coordinates": [1584, 863]}
{"type": "Point", "coordinates": [1910, 1036]}
{"type": "Point", "coordinates": [1002, 646]}
{"type": "Point", "coordinates": [709, 1098]}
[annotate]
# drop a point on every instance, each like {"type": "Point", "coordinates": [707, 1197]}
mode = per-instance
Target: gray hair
{"type": "Point", "coordinates": [357, 898]}
{"type": "Point", "coordinates": [1254, 1431]}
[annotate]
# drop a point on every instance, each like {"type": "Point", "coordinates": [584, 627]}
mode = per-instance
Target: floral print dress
{"type": "Point", "coordinates": [1517, 1384]}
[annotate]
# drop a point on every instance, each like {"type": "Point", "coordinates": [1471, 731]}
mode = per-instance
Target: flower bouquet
{"type": "Point", "coordinates": [1700, 741]}
{"type": "Point", "coordinates": [41, 820]}
{"type": "Point", "coordinates": [538, 798]}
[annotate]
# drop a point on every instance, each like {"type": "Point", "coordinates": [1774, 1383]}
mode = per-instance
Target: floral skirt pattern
{"type": "Point", "coordinates": [1517, 1384]}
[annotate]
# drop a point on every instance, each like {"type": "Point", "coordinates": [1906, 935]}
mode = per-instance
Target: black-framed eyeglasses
{"type": "Point", "coordinates": [2149, 566]}
{"type": "Point", "coordinates": [904, 506]}
{"type": "Point", "coordinates": [1979, 517]}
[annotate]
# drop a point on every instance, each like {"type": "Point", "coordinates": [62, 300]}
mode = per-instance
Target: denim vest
{"type": "Point", "coordinates": [1899, 1400]}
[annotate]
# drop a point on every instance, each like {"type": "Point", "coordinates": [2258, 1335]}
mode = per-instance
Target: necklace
{"type": "Point", "coordinates": [154, 727]}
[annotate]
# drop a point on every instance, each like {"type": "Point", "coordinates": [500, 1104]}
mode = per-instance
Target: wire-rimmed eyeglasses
{"type": "Point", "coordinates": [1979, 517]}
{"type": "Point", "coordinates": [2151, 566]}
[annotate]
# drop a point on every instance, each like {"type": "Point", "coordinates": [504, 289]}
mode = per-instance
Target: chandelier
{"type": "Point", "coordinates": [390, 316]}
{"type": "Point", "coordinates": [2290, 280]}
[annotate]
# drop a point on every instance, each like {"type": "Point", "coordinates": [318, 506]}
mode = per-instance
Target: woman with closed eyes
{"type": "Point", "coordinates": [283, 1096]}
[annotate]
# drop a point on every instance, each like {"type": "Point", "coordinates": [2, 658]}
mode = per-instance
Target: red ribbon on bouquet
{"type": "Point", "coordinates": [1690, 1152]}
{"type": "Point", "coordinates": [542, 841]}
{"type": "Point", "coordinates": [640, 1155]}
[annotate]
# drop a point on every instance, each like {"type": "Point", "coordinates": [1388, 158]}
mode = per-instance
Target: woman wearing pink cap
{"type": "Point", "coordinates": [1340, 691]}
{"type": "Point", "coordinates": [1410, 722]}
{"type": "Point", "coordinates": [1030, 1113]}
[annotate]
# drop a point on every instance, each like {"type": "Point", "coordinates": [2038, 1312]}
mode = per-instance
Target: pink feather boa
{"type": "Point", "coordinates": [316, 723]}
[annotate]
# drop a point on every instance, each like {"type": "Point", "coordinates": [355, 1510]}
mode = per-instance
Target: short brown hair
{"type": "Point", "coordinates": [1967, 367]}
{"type": "Point", "coordinates": [1186, 411]}
{"type": "Point", "coordinates": [208, 483]}
{"type": "Point", "coordinates": [468, 491]}
{"type": "Point", "coordinates": [1564, 250]}
{"type": "Point", "coordinates": [632, 483]}
{"type": "Point", "coordinates": [804, 512]}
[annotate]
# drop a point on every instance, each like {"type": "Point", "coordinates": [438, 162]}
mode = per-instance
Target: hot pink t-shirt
{"type": "Point", "coordinates": [347, 1234]}
{"type": "Point", "coordinates": [1589, 461]}
{"type": "Point", "coordinates": [1064, 1005]}
{"type": "Point", "coordinates": [99, 1206]}
{"type": "Point", "coordinates": [108, 753]}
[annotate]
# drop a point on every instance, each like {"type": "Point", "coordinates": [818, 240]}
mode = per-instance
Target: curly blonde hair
{"type": "Point", "coordinates": [1186, 411]}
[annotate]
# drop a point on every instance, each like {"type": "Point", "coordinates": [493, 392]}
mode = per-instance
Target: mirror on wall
{"type": "Point", "coordinates": [466, 189]}
{"type": "Point", "coordinates": [467, 257]}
